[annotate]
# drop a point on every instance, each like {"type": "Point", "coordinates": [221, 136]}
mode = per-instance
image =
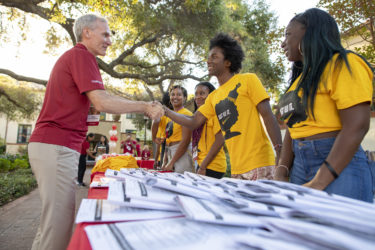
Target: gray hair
{"type": "Point", "coordinates": [85, 21]}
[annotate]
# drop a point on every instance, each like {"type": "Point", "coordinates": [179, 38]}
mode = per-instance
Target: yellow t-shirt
{"type": "Point", "coordinates": [161, 130]}
{"type": "Point", "coordinates": [338, 89]}
{"type": "Point", "coordinates": [234, 104]}
{"type": "Point", "coordinates": [173, 130]}
{"type": "Point", "coordinates": [161, 127]}
{"type": "Point", "coordinates": [210, 129]}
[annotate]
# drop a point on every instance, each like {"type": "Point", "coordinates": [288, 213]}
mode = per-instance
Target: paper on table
{"type": "Point", "coordinates": [135, 172]}
{"type": "Point", "coordinates": [208, 211]}
{"type": "Point", "coordinates": [92, 210]}
{"type": "Point", "coordinates": [364, 224]}
{"type": "Point", "coordinates": [254, 241]}
{"type": "Point", "coordinates": [136, 189]}
{"type": "Point", "coordinates": [290, 201]}
{"type": "Point", "coordinates": [251, 207]}
{"type": "Point", "coordinates": [177, 187]}
{"type": "Point", "coordinates": [330, 197]}
{"type": "Point", "coordinates": [194, 183]}
{"type": "Point", "coordinates": [103, 182]}
{"type": "Point", "coordinates": [317, 236]}
{"type": "Point", "coordinates": [310, 198]}
{"type": "Point", "coordinates": [198, 177]}
{"type": "Point", "coordinates": [115, 174]}
{"type": "Point", "coordinates": [163, 234]}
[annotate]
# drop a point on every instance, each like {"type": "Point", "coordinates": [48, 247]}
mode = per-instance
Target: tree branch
{"type": "Point", "coordinates": [22, 78]}
{"type": "Point", "coordinates": [149, 91]}
{"type": "Point", "coordinates": [10, 99]}
{"type": "Point", "coordinates": [159, 64]}
{"type": "Point", "coordinates": [144, 77]}
{"type": "Point", "coordinates": [131, 50]}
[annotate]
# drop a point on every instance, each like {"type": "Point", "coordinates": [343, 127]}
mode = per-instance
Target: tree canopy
{"type": "Point", "coordinates": [18, 100]}
{"type": "Point", "coordinates": [356, 18]}
{"type": "Point", "coordinates": [158, 42]}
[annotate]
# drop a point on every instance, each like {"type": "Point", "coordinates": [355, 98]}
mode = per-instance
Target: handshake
{"type": "Point", "coordinates": [154, 110]}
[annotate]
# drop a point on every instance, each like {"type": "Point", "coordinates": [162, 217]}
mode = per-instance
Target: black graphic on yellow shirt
{"type": "Point", "coordinates": [169, 129]}
{"type": "Point", "coordinates": [291, 108]}
{"type": "Point", "coordinates": [227, 113]}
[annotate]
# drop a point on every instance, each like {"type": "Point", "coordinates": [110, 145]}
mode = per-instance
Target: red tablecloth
{"type": "Point", "coordinates": [146, 164]}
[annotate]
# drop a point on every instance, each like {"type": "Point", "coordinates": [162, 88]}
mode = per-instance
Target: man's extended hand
{"type": "Point", "coordinates": [154, 110]}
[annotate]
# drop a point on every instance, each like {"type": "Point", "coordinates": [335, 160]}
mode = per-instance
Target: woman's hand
{"type": "Point", "coordinates": [159, 140]}
{"type": "Point", "coordinates": [201, 171]}
{"type": "Point", "coordinates": [312, 184]}
{"type": "Point", "coordinates": [168, 167]}
{"type": "Point", "coordinates": [281, 173]}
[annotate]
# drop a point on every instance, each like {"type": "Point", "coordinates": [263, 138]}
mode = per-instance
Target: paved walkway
{"type": "Point", "coordinates": [19, 219]}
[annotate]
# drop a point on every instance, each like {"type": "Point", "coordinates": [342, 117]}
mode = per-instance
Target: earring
{"type": "Point", "coordinates": [299, 49]}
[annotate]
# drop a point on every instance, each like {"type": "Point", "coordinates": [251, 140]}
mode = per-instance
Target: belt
{"type": "Point", "coordinates": [320, 136]}
{"type": "Point", "coordinates": [173, 143]}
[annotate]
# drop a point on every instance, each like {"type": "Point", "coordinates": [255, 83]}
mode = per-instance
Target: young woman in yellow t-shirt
{"type": "Point", "coordinates": [207, 140]}
{"type": "Point", "coordinates": [238, 104]}
{"type": "Point", "coordinates": [326, 108]}
{"type": "Point", "coordinates": [178, 137]}
{"type": "Point", "coordinates": [158, 133]}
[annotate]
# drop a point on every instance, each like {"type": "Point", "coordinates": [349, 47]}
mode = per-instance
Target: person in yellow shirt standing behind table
{"type": "Point", "coordinates": [178, 137]}
{"type": "Point", "coordinates": [237, 104]}
{"type": "Point", "coordinates": [207, 140]}
{"type": "Point", "coordinates": [158, 133]}
{"type": "Point", "coordinates": [326, 108]}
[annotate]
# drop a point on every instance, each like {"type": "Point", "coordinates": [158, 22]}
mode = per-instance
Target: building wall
{"type": "Point", "coordinates": [126, 125]}
{"type": "Point", "coordinates": [353, 42]}
{"type": "Point", "coordinates": [12, 132]}
{"type": "Point", "coordinates": [103, 129]}
{"type": "Point", "coordinates": [368, 142]}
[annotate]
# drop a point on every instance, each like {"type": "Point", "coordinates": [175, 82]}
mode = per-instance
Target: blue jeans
{"type": "Point", "coordinates": [354, 181]}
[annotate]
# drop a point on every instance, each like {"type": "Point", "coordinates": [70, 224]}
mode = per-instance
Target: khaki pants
{"type": "Point", "coordinates": [185, 163]}
{"type": "Point", "coordinates": [55, 168]}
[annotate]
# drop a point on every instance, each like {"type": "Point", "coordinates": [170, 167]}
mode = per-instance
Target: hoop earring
{"type": "Point", "coordinates": [299, 49]}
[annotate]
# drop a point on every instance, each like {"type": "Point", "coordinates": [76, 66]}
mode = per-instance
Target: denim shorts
{"type": "Point", "coordinates": [354, 181]}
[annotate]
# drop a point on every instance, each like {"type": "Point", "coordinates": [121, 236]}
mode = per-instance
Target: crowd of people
{"type": "Point", "coordinates": [326, 108]}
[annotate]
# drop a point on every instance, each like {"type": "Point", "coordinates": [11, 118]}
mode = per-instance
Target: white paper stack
{"type": "Point", "coordinates": [176, 186]}
{"type": "Point", "coordinates": [223, 214]}
{"type": "Point", "coordinates": [102, 183]}
{"type": "Point", "coordinates": [92, 210]}
{"type": "Point", "coordinates": [114, 174]}
{"type": "Point", "coordinates": [163, 234]}
{"type": "Point", "coordinates": [134, 193]}
{"type": "Point", "coordinates": [208, 211]}
{"type": "Point", "coordinates": [317, 236]}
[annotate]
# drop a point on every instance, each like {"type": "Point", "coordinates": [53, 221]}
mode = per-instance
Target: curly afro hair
{"type": "Point", "coordinates": [232, 50]}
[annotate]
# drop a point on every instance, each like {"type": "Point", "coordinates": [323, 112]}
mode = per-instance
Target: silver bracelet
{"type": "Point", "coordinates": [287, 169]}
{"type": "Point", "coordinates": [165, 110]}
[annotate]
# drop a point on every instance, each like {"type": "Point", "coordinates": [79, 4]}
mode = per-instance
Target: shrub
{"type": "Point", "coordinates": [5, 165]}
{"type": "Point", "coordinates": [20, 163]}
{"type": "Point", "coordinates": [16, 184]}
{"type": "Point", "coordinates": [10, 162]}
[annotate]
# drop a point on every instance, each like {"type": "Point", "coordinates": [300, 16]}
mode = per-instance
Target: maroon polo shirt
{"type": "Point", "coordinates": [62, 120]}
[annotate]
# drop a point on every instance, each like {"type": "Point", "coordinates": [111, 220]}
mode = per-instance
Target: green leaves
{"type": "Point", "coordinates": [162, 42]}
{"type": "Point", "coordinates": [18, 100]}
{"type": "Point", "coordinates": [356, 19]}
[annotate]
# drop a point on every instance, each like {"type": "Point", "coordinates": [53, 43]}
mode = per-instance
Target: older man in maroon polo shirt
{"type": "Point", "coordinates": [74, 83]}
